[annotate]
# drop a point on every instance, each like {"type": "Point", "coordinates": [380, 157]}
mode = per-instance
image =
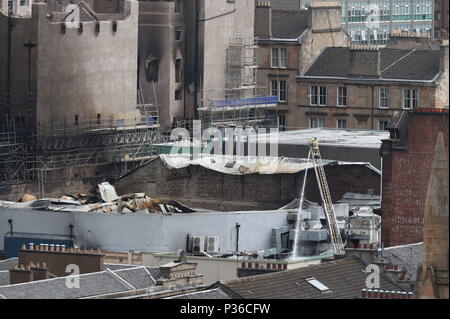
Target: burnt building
{"type": "Point", "coordinates": [68, 101]}
{"type": "Point", "coordinates": [407, 156]}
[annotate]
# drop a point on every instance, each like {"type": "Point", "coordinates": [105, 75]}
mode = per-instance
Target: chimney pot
{"type": "Point", "coordinates": [44, 265]}
{"type": "Point", "coordinates": [24, 246]}
{"type": "Point", "coordinates": [52, 247]}
{"type": "Point", "coordinates": [63, 248]}
{"type": "Point", "coordinates": [57, 248]}
{"type": "Point", "coordinates": [31, 246]}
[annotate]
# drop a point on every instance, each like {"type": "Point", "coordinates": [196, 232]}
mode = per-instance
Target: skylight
{"type": "Point", "coordinates": [314, 282]}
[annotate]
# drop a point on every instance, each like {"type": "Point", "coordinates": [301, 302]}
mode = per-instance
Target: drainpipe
{"type": "Point", "coordinates": [237, 237]}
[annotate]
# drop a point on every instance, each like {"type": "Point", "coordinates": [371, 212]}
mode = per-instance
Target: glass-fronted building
{"type": "Point", "coordinates": [371, 21]}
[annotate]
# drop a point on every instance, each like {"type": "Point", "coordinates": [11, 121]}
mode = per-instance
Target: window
{"type": "Point", "coordinates": [279, 89]}
{"type": "Point", "coordinates": [314, 282]}
{"type": "Point", "coordinates": [383, 125]}
{"type": "Point", "coordinates": [279, 58]}
{"type": "Point", "coordinates": [318, 95]}
{"type": "Point", "coordinates": [99, 118]}
{"type": "Point", "coordinates": [178, 70]}
{"type": "Point", "coordinates": [341, 123]}
{"type": "Point", "coordinates": [178, 95]}
{"type": "Point", "coordinates": [383, 98]}
{"type": "Point", "coordinates": [177, 6]}
{"type": "Point", "coordinates": [151, 69]}
{"type": "Point", "coordinates": [410, 99]}
{"type": "Point", "coordinates": [178, 34]}
{"type": "Point", "coordinates": [316, 123]}
{"type": "Point", "coordinates": [342, 96]}
{"type": "Point", "coordinates": [76, 120]}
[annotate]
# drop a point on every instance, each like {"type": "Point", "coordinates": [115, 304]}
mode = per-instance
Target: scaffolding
{"type": "Point", "coordinates": [242, 103]}
{"type": "Point", "coordinates": [29, 154]}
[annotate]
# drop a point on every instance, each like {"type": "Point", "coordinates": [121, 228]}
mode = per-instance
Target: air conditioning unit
{"type": "Point", "coordinates": [212, 244]}
{"type": "Point", "coordinates": [198, 244]}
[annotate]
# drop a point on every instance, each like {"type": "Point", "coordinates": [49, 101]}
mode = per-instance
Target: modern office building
{"type": "Point", "coordinates": [371, 21]}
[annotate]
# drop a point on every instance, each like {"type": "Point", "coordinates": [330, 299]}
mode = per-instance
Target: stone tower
{"type": "Point", "coordinates": [432, 276]}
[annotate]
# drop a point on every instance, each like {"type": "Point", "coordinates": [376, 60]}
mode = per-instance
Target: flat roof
{"type": "Point", "coordinates": [330, 137]}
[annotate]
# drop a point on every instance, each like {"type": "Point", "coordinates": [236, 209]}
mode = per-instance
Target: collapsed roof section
{"type": "Point", "coordinates": [109, 202]}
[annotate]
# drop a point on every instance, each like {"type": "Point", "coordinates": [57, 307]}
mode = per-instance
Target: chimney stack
{"type": "Point", "coordinates": [325, 16]}
{"type": "Point", "coordinates": [263, 20]}
{"type": "Point", "coordinates": [20, 275]}
{"type": "Point", "coordinates": [364, 61]}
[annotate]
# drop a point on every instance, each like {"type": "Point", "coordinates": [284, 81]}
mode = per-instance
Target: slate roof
{"type": "Point", "coordinates": [91, 284]}
{"type": "Point", "coordinates": [216, 293]}
{"type": "Point", "coordinates": [408, 257]}
{"type": "Point", "coordinates": [4, 277]}
{"type": "Point", "coordinates": [288, 24]}
{"type": "Point", "coordinates": [394, 64]}
{"type": "Point", "coordinates": [344, 277]}
{"type": "Point", "coordinates": [6, 264]}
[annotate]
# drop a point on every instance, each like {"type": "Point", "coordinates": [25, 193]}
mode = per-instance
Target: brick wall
{"type": "Point", "coordinates": [405, 178]}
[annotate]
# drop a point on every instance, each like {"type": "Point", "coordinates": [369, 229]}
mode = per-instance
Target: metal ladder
{"type": "Point", "coordinates": [328, 207]}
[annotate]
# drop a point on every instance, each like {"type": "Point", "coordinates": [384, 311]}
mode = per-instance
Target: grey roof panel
{"type": "Point", "coordinates": [137, 277]}
{"type": "Point", "coordinates": [344, 277]}
{"type": "Point", "coordinates": [92, 284]}
{"type": "Point", "coordinates": [4, 278]}
{"type": "Point", "coordinates": [288, 24]}
{"type": "Point", "coordinates": [6, 264]}
{"type": "Point", "coordinates": [394, 64]}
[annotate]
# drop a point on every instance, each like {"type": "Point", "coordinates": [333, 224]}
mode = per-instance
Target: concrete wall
{"type": "Point", "coordinates": [152, 232]}
{"type": "Point", "coordinates": [224, 20]}
{"type": "Point", "coordinates": [202, 188]}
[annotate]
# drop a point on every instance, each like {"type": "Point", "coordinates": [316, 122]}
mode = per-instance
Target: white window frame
{"type": "Point", "coordinates": [379, 125]}
{"type": "Point", "coordinates": [280, 58]}
{"type": "Point", "coordinates": [344, 121]}
{"type": "Point", "coordinates": [410, 99]}
{"type": "Point", "coordinates": [322, 95]}
{"type": "Point", "coordinates": [339, 96]}
{"type": "Point", "coordinates": [279, 89]}
{"type": "Point", "coordinates": [385, 98]}
{"type": "Point", "coordinates": [313, 94]}
{"type": "Point", "coordinates": [318, 121]}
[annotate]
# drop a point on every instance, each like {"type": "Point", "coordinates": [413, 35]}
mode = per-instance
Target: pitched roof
{"type": "Point", "coordinates": [4, 278]}
{"type": "Point", "coordinates": [344, 277]}
{"type": "Point", "coordinates": [394, 64]}
{"type": "Point", "coordinates": [6, 264]}
{"type": "Point", "coordinates": [91, 284]}
{"type": "Point", "coordinates": [288, 24]}
{"type": "Point", "coordinates": [216, 293]}
{"type": "Point", "coordinates": [409, 257]}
